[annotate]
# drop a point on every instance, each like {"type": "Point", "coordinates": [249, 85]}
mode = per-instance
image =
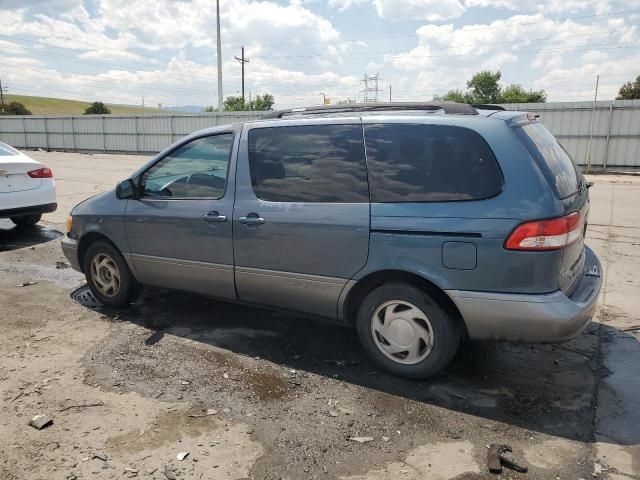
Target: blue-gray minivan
{"type": "Point", "coordinates": [420, 224]}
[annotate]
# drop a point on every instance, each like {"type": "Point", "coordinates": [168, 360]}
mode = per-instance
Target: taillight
{"type": "Point", "coordinates": [41, 173]}
{"type": "Point", "coordinates": [552, 234]}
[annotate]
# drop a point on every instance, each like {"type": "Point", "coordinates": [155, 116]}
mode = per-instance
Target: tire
{"type": "Point", "coordinates": [108, 275]}
{"type": "Point", "coordinates": [27, 220]}
{"type": "Point", "coordinates": [405, 332]}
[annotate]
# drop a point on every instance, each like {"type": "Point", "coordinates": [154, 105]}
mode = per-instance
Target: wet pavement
{"type": "Point", "coordinates": [12, 237]}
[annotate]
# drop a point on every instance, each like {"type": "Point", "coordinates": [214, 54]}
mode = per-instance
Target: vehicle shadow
{"type": "Point", "coordinates": [543, 388]}
{"type": "Point", "coordinates": [13, 237]}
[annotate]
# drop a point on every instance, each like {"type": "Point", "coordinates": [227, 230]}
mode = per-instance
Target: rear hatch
{"type": "Point", "coordinates": [14, 168]}
{"type": "Point", "coordinates": [569, 186]}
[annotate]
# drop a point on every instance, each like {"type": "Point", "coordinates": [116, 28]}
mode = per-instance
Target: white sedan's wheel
{"type": "Point", "coordinates": [402, 332]}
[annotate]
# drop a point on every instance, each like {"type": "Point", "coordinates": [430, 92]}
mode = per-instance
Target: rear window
{"type": "Point", "coordinates": [429, 163]}
{"type": "Point", "coordinates": [554, 161]}
{"type": "Point", "coordinates": [6, 150]}
{"type": "Point", "coordinates": [314, 163]}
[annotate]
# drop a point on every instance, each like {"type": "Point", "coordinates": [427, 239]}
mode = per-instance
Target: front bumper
{"type": "Point", "coordinates": [70, 250]}
{"type": "Point", "coordinates": [544, 318]}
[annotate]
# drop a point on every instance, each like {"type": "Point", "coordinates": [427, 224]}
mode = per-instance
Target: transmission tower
{"type": "Point", "coordinates": [371, 88]}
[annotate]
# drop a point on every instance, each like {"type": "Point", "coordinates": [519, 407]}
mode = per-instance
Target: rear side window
{"type": "Point", "coordinates": [554, 161]}
{"type": "Point", "coordinates": [6, 150]}
{"type": "Point", "coordinates": [314, 163]}
{"type": "Point", "coordinates": [429, 163]}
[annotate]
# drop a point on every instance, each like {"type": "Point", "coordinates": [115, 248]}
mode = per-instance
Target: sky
{"type": "Point", "coordinates": [119, 51]}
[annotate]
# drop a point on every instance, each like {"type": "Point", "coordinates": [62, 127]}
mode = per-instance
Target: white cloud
{"type": "Point", "coordinates": [431, 10]}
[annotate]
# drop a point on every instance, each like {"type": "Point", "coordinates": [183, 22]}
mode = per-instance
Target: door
{"type": "Point", "coordinates": [301, 218]}
{"type": "Point", "coordinates": [179, 230]}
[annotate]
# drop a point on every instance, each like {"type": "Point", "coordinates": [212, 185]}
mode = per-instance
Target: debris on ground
{"type": "Point", "coordinates": [100, 456]}
{"type": "Point", "coordinates": [40, 421]}
{"type": "Point", "coordinates": [597, 470]}
{"type": "Point", "coordinates": [182, 455]}
{"type": "Point", "coordinates": [361, 439]}
{"type": "Point", "coordinates": [26, 284]}
{"type": "Point", "coordinates": [498, 457]}
{"type": "Point", "coordinates": [62, 265]}
{"type": "Point", "coordinates": [169, 474]}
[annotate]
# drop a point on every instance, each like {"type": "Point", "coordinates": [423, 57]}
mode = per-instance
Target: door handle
{"type": "Point", "coordinates": [214, 217]}
{"type": "Point", "coordinates": [251, 219]}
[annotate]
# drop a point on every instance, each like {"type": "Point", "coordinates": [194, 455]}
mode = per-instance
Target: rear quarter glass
{"type": "Point", "coordinates": [551, 157]}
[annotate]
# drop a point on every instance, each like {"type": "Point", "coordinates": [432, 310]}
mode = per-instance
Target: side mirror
{"type": "Point", "coordinates": [126, 189]}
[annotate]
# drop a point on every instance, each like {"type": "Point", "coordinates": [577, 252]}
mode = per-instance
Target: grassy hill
{"type": "Point", "coordinates": [61, 106]}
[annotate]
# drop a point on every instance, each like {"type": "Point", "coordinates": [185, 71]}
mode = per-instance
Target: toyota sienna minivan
{"type": "Point", "coordinates": [419, 224]}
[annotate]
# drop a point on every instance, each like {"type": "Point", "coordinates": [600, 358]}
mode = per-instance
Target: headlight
{"type": "Point", "coordinates": [69, 224]}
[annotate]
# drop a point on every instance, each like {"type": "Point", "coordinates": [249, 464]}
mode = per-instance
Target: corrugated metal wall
{"type": "Point", "coordinates": [614, 139]}
{"type": "Point", "coordinates": [109, 133]}
{"type": "Point", "coordinates": [616, 129]}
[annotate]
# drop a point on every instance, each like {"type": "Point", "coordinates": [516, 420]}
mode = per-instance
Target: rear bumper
{"type": "Point", "coordinates": [544, 318]}
{"type": "Point", "coordinates": [30, 210]}
{"type": "Point", "coordinates": [70, 250]}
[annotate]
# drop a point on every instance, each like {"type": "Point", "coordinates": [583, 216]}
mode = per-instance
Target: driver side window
{"type": "Point", "coordinates": [197, 169]}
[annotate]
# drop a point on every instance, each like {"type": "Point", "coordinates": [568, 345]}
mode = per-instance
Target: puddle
{"type": "Point", "coordinates": [12, 238]}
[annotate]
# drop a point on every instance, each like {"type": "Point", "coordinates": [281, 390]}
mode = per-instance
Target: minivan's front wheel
{"type": "Point", "coordinates": [108, 275]}
{"type": "Point", "coordinates": [406, 332]}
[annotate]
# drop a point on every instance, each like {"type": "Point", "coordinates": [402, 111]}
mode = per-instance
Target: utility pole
{"type": "Point", "coordinates": [242, 61]}
{"type": "Point", "coordinates": [593, 116]}
{"type": "Point", "coordinates": [1, 94]}
{"type": "Point", "coordinates": [389, 93]}
{"type": "Point", "coordinates": [219, 53]}
{"type": "Point", "coordinates": [324, 98]}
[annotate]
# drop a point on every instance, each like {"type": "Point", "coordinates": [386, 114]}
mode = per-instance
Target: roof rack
{"type": "Point", "coordinates": [447, 107]}
{"type": "Point", "coordinates": [487, 106]}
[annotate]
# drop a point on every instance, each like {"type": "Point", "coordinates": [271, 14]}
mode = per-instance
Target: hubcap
{"type": "Point", "coordinates": [402, 332]}
{"type": "Point", "coordinates": [105, 275]}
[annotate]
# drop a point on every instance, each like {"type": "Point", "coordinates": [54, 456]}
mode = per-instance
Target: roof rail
{"type": "Point", "coordinates": [487, 106]}
{"type": "Point", "coordinates": [447, 107]}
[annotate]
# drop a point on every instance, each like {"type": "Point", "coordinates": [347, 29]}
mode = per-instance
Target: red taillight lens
{"type": "Point", "coordinates": [41, 173]}
{"type": "Point", "coordinates": [552, 234]}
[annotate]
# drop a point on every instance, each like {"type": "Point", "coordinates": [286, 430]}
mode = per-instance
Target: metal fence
{"type": "Point", "coordinates": [606, 134]}
{"type": "Point", "coordinates": [109, 133]}
{"type": "Point", "coordinates": [607, 131]}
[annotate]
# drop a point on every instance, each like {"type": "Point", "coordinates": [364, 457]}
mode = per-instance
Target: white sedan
{"type": "Point", "coordinates": [27, 188]}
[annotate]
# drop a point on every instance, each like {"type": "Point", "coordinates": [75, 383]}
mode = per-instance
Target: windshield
{"type": "Point", "coordinates": [6, 150]}
{"type": "Point", "coordinates": [553, 159]}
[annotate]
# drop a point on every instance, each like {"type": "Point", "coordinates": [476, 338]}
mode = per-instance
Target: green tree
{"type": "Point", "coordinates": [238, 104]}
{"type": "Point", "coordinates": [210, 109]}
{"type": "Point", "coordinates": [455, 96]}
{"type": "Point", "coordinates": [485, 87]}
{"type": "Point", "coordinates": [629, 90]}
{"type": "Point", "coordinates": [14, 108]}
{"type": "Point", "coordinates": [235, 104]}
{"type": "Point", "coordinates": [97, 108]}
{"type": "Point", "coordinates": [262, 102]}
{"type": "Point", "coordinates": [514, 93]}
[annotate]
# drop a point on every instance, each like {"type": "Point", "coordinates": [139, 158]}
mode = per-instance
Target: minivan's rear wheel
{"type": "Point", "coordinates": [108, 275]}
{"type": "Point", "coordinates": [406, 332]}
{"type": "Point", "coordinates": [27, 220]}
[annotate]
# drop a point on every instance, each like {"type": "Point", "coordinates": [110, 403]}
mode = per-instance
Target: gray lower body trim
{"type": "Point", "coordinates": [313, 294]}
{"type": "Point", "coordinates": [199, 277]}
{"type": "Point", "coordinates": [545, 318]}
{"type": "Point", "coordinates": [70, 250]}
